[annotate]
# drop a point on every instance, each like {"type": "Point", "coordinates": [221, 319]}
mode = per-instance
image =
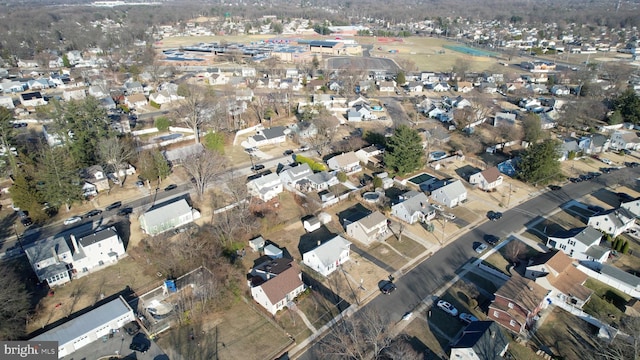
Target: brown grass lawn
{"type": "Point", "coordinates": [318, 310]}
{"type": "Point", "coordinates": [382, 252]}
{"type": "Point", "coordinates": [86, 291]}
{"type": "Point", "coordinates": [407, 247]}
{"type": "Point", "coordinates": [567, 335]}
{"type": "Point", "coordinates": [421, 330]}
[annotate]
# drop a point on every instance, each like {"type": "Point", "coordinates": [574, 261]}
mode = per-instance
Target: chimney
{"type": "Point", "coordinates": [74, 242]}
{"type": "Point", "coordinates": [319, 242]}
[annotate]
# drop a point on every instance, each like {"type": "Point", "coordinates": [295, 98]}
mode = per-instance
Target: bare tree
{"type": "Point", "coordinates": [15, 304]}
{"type": "Point", "coordinates": [365, 335]}
{"type": "Point", "coordinates": [116, 152]}
{"type": "Point", "coordinates": [514, 249]}
{"type": "Point", "coordinates": [197, 109]}
{"type": "Point", "coordinates": [203, 167]}
{"type": "Point", "coordinates": [401, 349]}
{"type": "Point", "coordinates": [326, 129]}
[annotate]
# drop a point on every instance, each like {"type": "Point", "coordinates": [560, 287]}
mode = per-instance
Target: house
{"type": "Point", "coordinates": [265, 187]}
{"type": "Point", "coordinates": [387, 86]}
{"type": "Point", "coordinates": [290, 176]}
{"type": "Point", "coordinates": [98, 91]}
{"type": "Point", "coordinates": [594, 144]}
{"type": "Point", "coordinates": [107, 103]}
{"type": "Point", "coordinates": [364, 110]}
{"type": "Point", "coordinates": [75, 94]}
{"type": "Point", "coordinates": [167, 215]}
{"type": "Point", "coordinates": [244, 95]}
{"type": "Point", "coordinates": [353, 115]}
{"type": "Point", "coordinates": [488, 179]}
{"type": "Point", "coordinates": [555, 271]}
{"type": "Point", "coordinates": [559, 90]}
{"type": "Point", "coordinates": [327, 256]}
{"type": "Point", "coordinates": [613, 222]}
{"type": "Point", "coordinates": [273, 135]}
{"type": "Point", "coordinates": [347, 162]}
{"type": "Point", "coordinates": [319, 181]}
{"type": "Point", "coordinates": [276, 283]}
{"type": "Point", "coordinates": [633, 207]}
{"type": "Point", "coordinates": [370, 155]}
{"type": "Point", "coordinates": [38, 84]}
{"type": "Point", "coordinates": [32, 99]}
{"type": "Point", "coordinates": [464, 86]}
{"type": "Point", "coordinates": [96, 176]}
{"type": "Point", "coordinates": [567, 147]}
{"type": "Point", "coordinates": [368, 229]}
{"type": "Point", "coordinates": [176, 156]}
{"type": "Point", "coordinates": [217, 79]}
{"type": "Point", "coordinates": [451, 194]}
{"type": "Point", "coordinates": [7, 102]}
{"type": "Point", "coordinates": [89, 327]}
{"type": "Point", "coordinates": [414, 207]}
{"type": "Point", "coordinates": [441, 87]}
{"type": "Point", "coordinates": [58, 259]}
{"type": "Point", "coordinates": [89, 190]}
{"type": "Point", "coordinates": [415, 87]}
{"type": "Point", "coordinates": [133, 87]}
{"type": "Point", "coordinates": [136, 100]}
{"type": "Point", "coordinates": [480, 340]}
{"type": "Point", "coordinates": [580, 244]}
{"type": "Point", "coordinates": [517, 303]}
{"type": "Point", "coordinates": [163, 97]}
{"type": "Point", "coordinates": [8, 86]}
{"type": "Point", "coordinates": [623, 139]}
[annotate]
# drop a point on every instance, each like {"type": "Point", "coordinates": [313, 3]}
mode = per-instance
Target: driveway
{"type": "Point", "coordinates": [117, 344]}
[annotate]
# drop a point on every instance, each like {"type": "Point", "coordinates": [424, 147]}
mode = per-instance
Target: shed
{"type": "Point", "coordinates": [273, 251]}
{"type": "Point", "coordinates": [256, 244]}
{"type": "Point", "coordinates": [311, 224]}
{"type": "Point", "coordinates": [324, 218]}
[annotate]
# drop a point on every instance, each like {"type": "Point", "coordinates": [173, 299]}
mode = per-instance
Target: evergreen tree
{"type": "Point", "coordinates": [540, 163]}
{"type": "Point", "coordinates": [404, 152]}
{"type": "Point", "coordinates": [62, 185]}
{"type": "Point", "coordinates": [628, 103]}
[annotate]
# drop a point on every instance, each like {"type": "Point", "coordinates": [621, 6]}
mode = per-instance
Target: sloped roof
{"type": "Point", "coordinates": [485, 338]}
{"type": "Point", "coordinates": [345, 159]}
{"type": "Point", "coordinates": [274, 132]}
{"type": "Point", "coordinates": [491, 174]}
{"type": "Point", "coordinates": [330, 251]}
{"type": "Point", "coordinates": [284, 283]}
{"type": "Point", "coordinates": [452, 189]}
{"type": "Point", "coordinates": [620, 275]}
{"type": "Point", "coordinates": [522, 291]}
{"type": "Point", "coordinates": [586, 235]}
{"type": "Point", "coordinates": [98, 236]}
{"type": "Point", "coordinates": [166, 211]}
{"type": "Point", "coordinates": [372, 219]}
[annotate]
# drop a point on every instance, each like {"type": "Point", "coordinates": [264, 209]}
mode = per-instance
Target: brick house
{"type": "Point", "coordinates": [517, 303]}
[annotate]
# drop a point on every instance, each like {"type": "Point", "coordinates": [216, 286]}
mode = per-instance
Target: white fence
{"type": "Point", "coordinates": [247, 130]}
{"type": "Point", "coordinates": [493, 271]}
{"type": "Point", "coordinates": [168, 142]}
{"type": "Point", "coordinates": [614, 283]}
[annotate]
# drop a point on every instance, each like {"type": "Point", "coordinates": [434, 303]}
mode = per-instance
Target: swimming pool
{"type": "Point", "coordinates": [421, 178]}
{"type": "Point", "coordinates": [469, 50]}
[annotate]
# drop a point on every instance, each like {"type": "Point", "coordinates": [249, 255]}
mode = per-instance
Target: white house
{"type": "Point", "coordinates": [488, 179]}
{"type": "Point", "coordinates": [291, 175]}
{"type": "Point", "coordinates": [265, 187]}
{"type": "Point", "coordinates": [7, 102]}
{"type": "Point", "coordinates": [414, 207]}
{"type": "Point", "coordinates": [613, 222]}
{"type": "Point", "coordinates": [328, 256]}
{"type": "Point", "coordinates": [167, 215]}
{"type": "Point", "coordinates": [320, 181]}
{"type": "Point", "coordinates": [370, 155]}
{"type": "Point", "coordinates": [368, 229]}
{"type": "Point", "coordinates": [273, 135]}
{"type": "Point", "coordinates": [580, 244]}
{"type": "Point", "coordinates": [633, 207]}
{"type": "Point", "coordinates": [32, 99]}
{"type": "Point", "coordinates": [55, 262]}
{"type": "Point", "coordinates": [387, 86]}
{"type": "Point", "coordinates": [96, 176]}
{"type": "Point", "coordinates": [276, 283]}
{"type": "Point", "coordinates": [451, 194]}
{"type": "Point", "coordinates": [347, 162]}
{"type": "Point", "coordinates": [135, 100]}
{"type": "Point", "coordinates": [623, 139]}
{"type": "Point", "coordinates": [89, 327]}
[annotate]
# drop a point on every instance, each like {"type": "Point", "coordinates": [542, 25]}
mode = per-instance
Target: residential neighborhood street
{"type": "Point", "coordinates": [419, 284]}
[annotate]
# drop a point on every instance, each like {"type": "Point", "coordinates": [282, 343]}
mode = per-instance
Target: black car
{"type": "Point", "coordinates": [113, 206]}
{"type": "Point", "coordinates": [125, 211]}
{"type": "Point", "coordinates": [388, 288]}
{"type": "Point", "coordinates": [92, 213]}
{"type": "Point", "coordinates": [605, 170]}
{"type": "Point", "coordinates": [287, 152]}
{"type": "Point", "coordinates": [171, 187]}
{"type": "Point", "coordinates": [132, 328]}
{"type": "Point", "coordinates": [26, 221]}
{"type": "Point", "coordinates": [555, 187]}
{"type": "Point", "coordinates": [575, 179]}
{"type": "Point", "coordinates": [494, 215]}
{"type": "Point", "coordinates": [138, 346]}
{"type": "Point", "coordinates": [257, 167]}
{"type": "Point", "coordinates": [595, 174]}
{"type": "Point", "coordinates": [491, 239]}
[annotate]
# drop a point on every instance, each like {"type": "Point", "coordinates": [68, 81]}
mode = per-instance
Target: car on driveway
{"type": "Point", "coordinates": [72, 220]}
{"type": "Point", "coordinates": [92, 213]}
{"type": "Point", "coordinates": [494, 215]}
{"type": "Point", "coordinates": [555, 187]}
{"type": "Point", "coordinates": [287, 152]}
{"type": "Point", "coordinates": [125, 211]}
{"type": "Point", "coordinates": [26, 221]}
{"type": "Point", "coordinates": [438, 207]}
{"type": "Point", "coordinates": [467, 318]}
{"type": "Point", "coordinates": [480, 248]}
{"type": "Point", "coordinates": [606, 161]}
{"type": "Point", "coordinates": [448, 216]}
{"type": "Point", "coordinates": [171, 187]}
{"type": "Point", "coordinates": [388, 288]}
{"type": "Point", "coordinates": [257, 167]}
{"type": "Point", "coordinates": [113, 206]}
{"type": "Point", "coordinates": [491, 239]}
{"type": "Point", "coordinates": [448, 308]}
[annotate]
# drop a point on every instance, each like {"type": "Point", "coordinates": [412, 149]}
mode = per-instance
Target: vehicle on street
{"type": "Point", "coordinates": [632, 164]}
{"type": "Point", "coordinates": [388, 288]}
{"type": "Point", "coordinates": [257, 167]}
{"type": "Point", "coordinates": [92, 213]}
{"type": "Point", "coordinates": [467, 318]}
{"type": "Point", "coordinates": [171, 187]}
{"type": "Point", "coordinates": [125, 211]}
{"type": "Point", "coordinates": [113, 206]}
{"type": "Point", "coordinates": [448, 308]}
{"type": "Point", "coordinates": [494, 215]}
{"type": "Point", "coordinates": [491, 239]}
{"type": "Point", "coordinates": [287, 152]}
{"type": "Point", "coordinates": [555, 187]}
{"type": "Point", "coordinates": [480, 248]}
{"type": "Point", "coordinates": [72, 220]}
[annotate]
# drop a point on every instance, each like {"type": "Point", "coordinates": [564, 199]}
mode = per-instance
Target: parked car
{"type": "Point", "coordinates": [257, 167]}
{"type": "Point", "coordinates": [606, 161]}
{"type": "Point", "coordinates": [491, 239]}
{"type": "Point", "coordinates": [438, 207]}
{"type": "Point", "coordinates": [304, 148]}
{"type": "Point", "coordinates": [125, 211]}
{"type": "Point", "coordinates": [575, 179]}
{"type": "Point", "coordinates": [72, 220]}
{"type": "Point", "coordinates": [388, 288]}
{"type": "Point", "coordinates": [481, 248]}
{"type": "Point", "coordinates": [407, 316]}
{"type": "Point", "coordinates": [92, 213]}
{"type": "Point", "coordinates": [287, 152]}
{"type": "Point", "coordinates": [448, 216]}
{"type": "Point", "coordinates": [26, 221]}
{"type": "Point", "coordinates": [467, 318]}
{"type": "Point", "coordinates": [139, 183]}
{"type": "Point", "coordinates": [555, 187]}
{"type": "Point", "coordinates": [113, 206]}
{"type": "Point", "coordinates": [448, 308]}
{"type": "Point", "coordinates": [132, 328]}
{"type": "Point", "coordinates": [171, 187]}
{"type": "Point", "coordinates": [494, 215]}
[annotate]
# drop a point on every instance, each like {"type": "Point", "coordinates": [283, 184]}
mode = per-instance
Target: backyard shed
{"type": "Point", "coordinates": [256, 244]}
{"type": "Point", "coordinates": [273, 251]}
{"type": "Point", "coordinates": [311, 224]}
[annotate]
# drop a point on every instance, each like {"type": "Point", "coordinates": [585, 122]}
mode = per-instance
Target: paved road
{"type": "Point", "coordinates": [425, 279]}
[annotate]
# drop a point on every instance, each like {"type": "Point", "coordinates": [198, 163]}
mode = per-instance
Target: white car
{"type": "Point", "coordinates": [606, 161]}
{"type": "Point", "coordinates": [72, 220]}
{"type": "Point", "coordinates": [481, 248]}
{"type": "Point", "coordinates": [438, 207]}
{"type": "Point", "coordinates": [448, 308]}
{"type": "Point", "coordinates": [448, 216]}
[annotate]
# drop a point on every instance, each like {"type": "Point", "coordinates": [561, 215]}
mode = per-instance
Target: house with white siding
{"type": "Point", "coordinates": [326, 257]}
{"type": "Point", "coordinates": [275, 283]}
{"type": "Point", "coordinates": [580, 244]}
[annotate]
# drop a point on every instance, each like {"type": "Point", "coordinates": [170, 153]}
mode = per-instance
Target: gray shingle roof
{"type": "Point", "coordinates": [330, 251]}
{"type": "Point", "coordinates": [166, 211]}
